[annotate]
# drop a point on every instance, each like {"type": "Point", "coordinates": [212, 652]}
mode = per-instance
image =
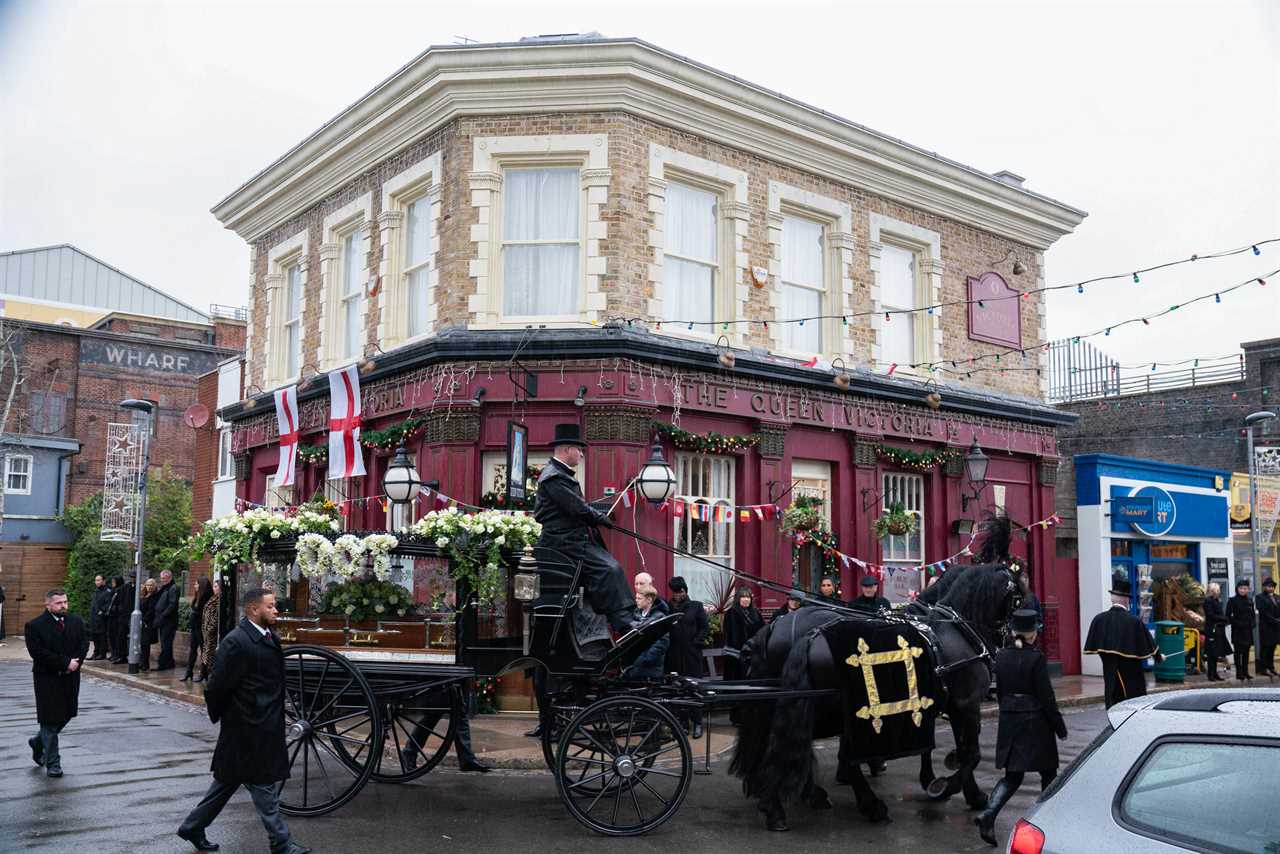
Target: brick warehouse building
{"type": "Point", "coordinates": [630, 227]}
{"type": "Point", "coordinates": [55, 439]}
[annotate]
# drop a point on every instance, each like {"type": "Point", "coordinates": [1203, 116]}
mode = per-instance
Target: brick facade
{"type": "Point", "coordinates": [966, 251]}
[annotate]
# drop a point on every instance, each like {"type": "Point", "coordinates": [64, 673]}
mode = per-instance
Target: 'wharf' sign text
{"type": "Point", "coordinates": [144, 357]}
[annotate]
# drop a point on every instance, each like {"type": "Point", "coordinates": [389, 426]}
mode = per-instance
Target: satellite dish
{"type": "Point", "coordinates": [197, 415]}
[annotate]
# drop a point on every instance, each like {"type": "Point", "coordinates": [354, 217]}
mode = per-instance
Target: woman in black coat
{"type": "Point", "coordinates": [203, 595]}
{"type": "Point", "coordinates": [118, 610]}
{"type": "Point", "coordinates": [1268, 628]}
{"type": "Point", "coordinates": [1029, 720]}
{"type": "Point", "coordinates": [1243, 618]}
{"type": "Point", "coordinates": [741, 622]}
{"type": "Point", "coordinates": [148, 607]}
{"type": "Point", "coordinates": [1215, 628]}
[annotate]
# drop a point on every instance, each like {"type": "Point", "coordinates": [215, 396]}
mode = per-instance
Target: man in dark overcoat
{"type": "Point", "coordinates": [868, 599]}
{"type": "Point", "coordinates": [245, 693]}
{"type": "Point", "coordinates": [688, 637]}
{"type": "Point", "coordinates": [570, 526]}
{"type": "Point", "coordinates": [1242, 618]}
{"type": "Point", "coordinates": [1123, 643]}
{"type": "Point", "coordinates": [1268, 628]}
{"type": "Point", "coordinates": [58, 645]}
{"type": "Point", "coordinates": [118, 616]}
{"type": "Point", "coordinates": [98, 604]}
{"type": "Point", "coordinates": [166, 619]}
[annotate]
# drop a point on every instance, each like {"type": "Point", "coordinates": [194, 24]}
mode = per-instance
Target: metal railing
{"type": "Point", "coordinates": [232, 312]}
{"type": "Point", "coordinates": [1080, 371]}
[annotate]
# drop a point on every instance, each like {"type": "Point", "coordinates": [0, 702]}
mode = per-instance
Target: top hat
{"type": "Point", "coordinates": [1024, 620]}
{"type": "Point", "coordinates": [676, 582]}
{"type": "Point", "coordinates": [869, 581]}
{"type": "Point", "coordinates": [1120, 585]}
{"type": "Point", "coordinates": [568, 434]}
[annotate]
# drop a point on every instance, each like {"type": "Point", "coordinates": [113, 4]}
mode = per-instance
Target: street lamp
{"type": "Point", "coordinates": [401, 482]}
{"type": "Point", "coordinates": [1250, 422]}
{"type": "Point", "coordinates": [656, 480]}
{"type": "Point", "coordinates": [975, 465]}
{"type": "Point", "coordinates": [147, 408]}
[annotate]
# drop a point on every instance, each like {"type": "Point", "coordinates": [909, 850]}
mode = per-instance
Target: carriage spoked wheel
{"type": "Point", "coordinates": [420, 730]}
{"type": "Point", "coordinates": [623, 766]}
{"type": "Point", "coordinates": [327, 701]}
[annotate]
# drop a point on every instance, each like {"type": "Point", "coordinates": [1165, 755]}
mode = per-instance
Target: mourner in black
{"type": "Point", "coordinates": [119, 614]}
{"type": "Point", "coordinates": [1268, 628]}
{"type": "Point", "coordinates": [1243, 619]}
{"type": "Point", "coordinates": [741, 622]}
{"type": "Point", "coordinates": [869, 600]}
{"type": "Point", "coordinates": [827, 592]}
{"type": "Point", "coordinates": [1123, 643]}
{"type": "Point", "coordinates": [1030, 601]}
{"type": "Point", "coordinates": [1029, 719]}
{"type": "Point", "coordinates": [571, 526]}
{"type": "Point", "coordinates": [245, 693]}
{"type": "Point", "coordinates": [688, 637]}
{"type": "Point", "coordinates": [1215, 628]}
{"type": "Point", "coordinates": [148, 608]}
{"type": "Point", "coordinates": [795, 601]}
{"type": "Point", "coordinates": [203, 594]}
{"type": "Point", "coordinates": [166, 620]}
{"type": "Point", "coordinates": [58, 645]}
{"type": "Point", "coordinates": [648, 667]}
{"type": "Point", "coordinates": [98, 603]}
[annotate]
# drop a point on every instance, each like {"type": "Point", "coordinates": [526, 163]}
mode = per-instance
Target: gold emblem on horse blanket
{"type": "Point", "coordinates": [866, 660]}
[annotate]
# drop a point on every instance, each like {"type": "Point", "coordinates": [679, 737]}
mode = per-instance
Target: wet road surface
{"type": "Point", "coordinates": [136, 763]}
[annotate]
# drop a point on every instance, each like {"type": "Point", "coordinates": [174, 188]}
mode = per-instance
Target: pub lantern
{"type": "Point", "coordinates": [401, 482]}
{"type": "Point", "coordinates": [656, 480]}
{"type": "Point", "coordinates": [975, 466]}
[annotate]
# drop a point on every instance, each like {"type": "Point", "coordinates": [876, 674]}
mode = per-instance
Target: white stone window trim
{"type": "Point", "coordinates": [282, 256]}
{"type": "Point", "coordinates": [226, 465]}
{"type": "Point", "coordinates": [927, 246]}
{"type": "Point", "coordinates": [734, 213]}
{"type": "Point", "coordinates": [419, 181]}
{"type": "Point", "coordinates": [492, 154]}
{"type": "Point", "coordinates": [838, 250]}
{"type": "Point", "coordinates": [28, 474]}
{"type": "Point", "coordinates": [356, 215]}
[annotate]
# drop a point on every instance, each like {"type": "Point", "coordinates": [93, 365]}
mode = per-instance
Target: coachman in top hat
{"type": "Point", "coordinates": [1123, 643]}
{"type": "Point", "coordinates": [571, 526]}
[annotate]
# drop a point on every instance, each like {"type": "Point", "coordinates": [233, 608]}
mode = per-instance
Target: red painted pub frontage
{"type": "Point", "coordinates": [794, 434]}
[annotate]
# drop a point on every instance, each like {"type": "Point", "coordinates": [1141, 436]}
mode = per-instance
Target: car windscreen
{"type": "Point", "coordinates": [1213, 794]}
{"type": "Point", "coordinates": [1080, 759]}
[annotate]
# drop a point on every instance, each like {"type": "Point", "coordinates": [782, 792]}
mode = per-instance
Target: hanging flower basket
{"type": "Point", "coordinates": [804, 514]}
{"type": "Point", "coordinates": [896, 523]}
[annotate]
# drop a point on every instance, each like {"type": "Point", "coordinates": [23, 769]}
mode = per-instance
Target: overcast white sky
{"type": "Point", "coordinates": [122, 123]}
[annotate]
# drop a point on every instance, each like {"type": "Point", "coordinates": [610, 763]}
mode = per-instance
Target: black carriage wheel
{"type": "Point", "coordinates": [420, 730]}
{"type": "Point", "coordinates": [327, 701]}
{"type": "Point", "coordinates": [624, 766]}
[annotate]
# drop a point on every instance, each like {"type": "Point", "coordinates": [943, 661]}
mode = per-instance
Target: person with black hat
{"type": "Point", "coordinates": [1029, 719]}
{"type": "Point", "coordinates": [1268, 629]}
{"type": "Point", "coordinates": [741, 622]}
{"type": "Point", "coordinates": [795, 601]}
{"type": "Point", "coordinates": [1123, 643]}
{"type": "Point", "coordinates": [688, 637]}
{"type": "Point", "coordinates": [1243, 618]}
{"type": "Point", "coordinates": [869, 600]}
{"type": "Point", "coordinates": [571, 527]}
{"type": "Point", "coordinates": [1215, 627]}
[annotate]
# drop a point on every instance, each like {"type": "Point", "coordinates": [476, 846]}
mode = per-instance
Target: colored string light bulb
{"type": "Point", "coordinates": [690, 325]}
{"type": "Point", "coordinates": [981, 304]}
{"type": "Point", "coordinates": [1217, 297]}
{"type": "Point", "coordinates": [1079, 289]}
{"type": "Point", "coordinates": [886, 317]}
{"type": "Point", "coordinates": [1136, 280]}
{"type": "Point", "coordinates": [1108, 332]}
{"type": "Point", "coordinates": [1262, 282]}
{"type": "Point", "coordinates": [1146, 322]}
{"type": "Point", "coordinates": [1256, 250]}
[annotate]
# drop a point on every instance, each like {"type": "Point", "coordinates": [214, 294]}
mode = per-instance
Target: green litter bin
{"type": "Point", "coordinates": [1169, 642]}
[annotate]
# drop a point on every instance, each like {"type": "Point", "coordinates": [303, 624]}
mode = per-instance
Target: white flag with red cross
{"type": "Point", "coordinates": [287, 421]}
{"type": "Point", "coordinates": [346, 457]}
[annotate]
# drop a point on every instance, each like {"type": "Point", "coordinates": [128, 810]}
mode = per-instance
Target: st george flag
{"type": "Point", "coordinates": [346, 459]}
{"type": "Point", "coordinates": [287, 421]}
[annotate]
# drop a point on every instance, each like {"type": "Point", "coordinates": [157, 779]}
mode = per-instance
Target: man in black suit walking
{"type": "Point", "coordinates": [245, 691]}
{"type": "Point", "coordinates": [166, 619]}
{"type": "Point", "coordinates": [58, 645]}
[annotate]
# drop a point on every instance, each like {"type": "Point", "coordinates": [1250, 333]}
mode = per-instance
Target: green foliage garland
{"type": "Point", "coordinates": [496, 499]}
{"type": "Point", "coordinates": [711, 443]}
{"type": "Point", "coordinates": [312, 454]}
{"type": "Point", "coordinates": [391, 437]}
{"type": "Point", "coordinates": [917, 460]}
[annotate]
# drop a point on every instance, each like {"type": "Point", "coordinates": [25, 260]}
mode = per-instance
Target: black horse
{"type": "Point", "coordinates": [965, 611]}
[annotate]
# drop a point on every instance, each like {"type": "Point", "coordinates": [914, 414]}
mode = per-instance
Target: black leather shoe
{"type": "Point", "coordinates": [536, 732]}
{"type": "Point", "coordinates": [54, 771]}
{"type": "Point", "coordinates": [475, 765]}
{"type": "Point", "coordinates": [697, 731]}
{"type": "Point", "coordinates": [198, 840]}
{"type": "Point", "coordinates": [292, 848]}
{"type": "Point", "coordinates": [37, 750]}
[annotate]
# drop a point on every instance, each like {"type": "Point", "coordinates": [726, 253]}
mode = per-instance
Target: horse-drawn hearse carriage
{"type": "Point", "coordinates": [360, 707]}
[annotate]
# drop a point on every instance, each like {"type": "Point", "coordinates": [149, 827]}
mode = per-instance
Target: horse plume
{"type": "Point", "coordinates": [995, 548]}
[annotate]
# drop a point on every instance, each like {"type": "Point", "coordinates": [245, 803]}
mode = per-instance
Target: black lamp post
{"type": "Point", "coordinates": [656, 480]}
{"type": "Point", "coordinates": [975, 465]}
{"type": "Point", "coordinates": [147, 408]}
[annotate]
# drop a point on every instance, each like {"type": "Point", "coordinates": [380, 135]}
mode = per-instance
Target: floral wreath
{"type": "Point", "coordinates": [315, 555]}
{"type": "Point", "coordinates": [348, 556]}
{"type": "Point", "coordinates": [378, 547]}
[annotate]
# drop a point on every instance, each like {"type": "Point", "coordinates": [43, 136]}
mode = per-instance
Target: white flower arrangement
{"type": "Point", "coordinates": [475, 541]}
{"type": "Point", "coordinates": [378, 547]}
{"type": "Point", "coordinates": [315, 555]}
{"type": "Point", "coordinates": [348, 556]}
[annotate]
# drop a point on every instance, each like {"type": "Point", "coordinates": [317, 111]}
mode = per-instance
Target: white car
{"type": "Point", "coordinates": [1185, 771]}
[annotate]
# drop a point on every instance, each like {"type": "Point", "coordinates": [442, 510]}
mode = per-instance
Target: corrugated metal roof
{"type": "Point", "coordinates": [65, 274]}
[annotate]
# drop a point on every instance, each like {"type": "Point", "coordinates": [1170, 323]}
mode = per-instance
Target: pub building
{"type": "Point", "coordinates": [553, 231]}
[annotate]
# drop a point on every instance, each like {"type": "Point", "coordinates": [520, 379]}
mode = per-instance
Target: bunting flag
{"type": "Point", "coordinates": [287, 422]}
{"type": "Point", "coordinates": [346, 457]}
{"type": "Point", "coordinates": [677, 508]}
{"type": "Point", "coordinates": [626, 497]}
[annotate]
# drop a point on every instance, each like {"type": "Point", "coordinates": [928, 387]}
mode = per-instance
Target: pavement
{"type": "Point", "coordinates": [137, 761]}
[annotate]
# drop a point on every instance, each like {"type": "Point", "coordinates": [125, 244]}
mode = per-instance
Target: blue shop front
{"type": "Point", "coordinates": [1160, 524]}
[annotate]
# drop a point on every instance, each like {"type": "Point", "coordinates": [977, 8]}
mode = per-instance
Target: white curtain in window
{"type": "Point", "coordinates": [704, 482]}
{"type": "Point", "coordinates": [688, 291]}
{"type": "Point", "coordinates": [691, 222]}
{"type": "Point", "coordinates": [353, 292]}
{"type": "Point", "coordinates": [801, 302]}
{"type": "Point", "coordinates": [293, 321]}
{"type": "Point", "coordinates": [540, 241]}
{"type": "Point", "coordinates": [417, 250]}
{"type": "Point", "coordinates": [417, 306]}
{"type": "Point", "coordinates": [898, 291]}
{"type": "Point", "coordinates": [802, 252]}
